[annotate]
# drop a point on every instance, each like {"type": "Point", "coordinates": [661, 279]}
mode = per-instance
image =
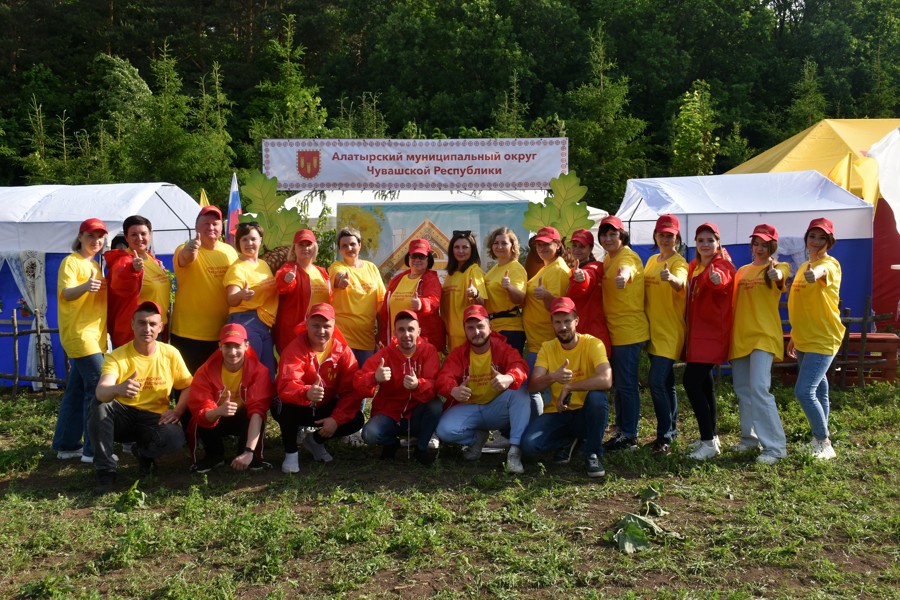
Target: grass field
{"type": "Point", "coordinates": [362, 528]}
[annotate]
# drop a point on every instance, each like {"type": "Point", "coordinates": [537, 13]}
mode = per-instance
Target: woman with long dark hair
{"type": "Point", "coordinates": [464, 285]}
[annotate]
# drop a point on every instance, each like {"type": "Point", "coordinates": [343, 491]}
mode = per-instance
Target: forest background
{"type": "Point", "coordinates": [101, 91]}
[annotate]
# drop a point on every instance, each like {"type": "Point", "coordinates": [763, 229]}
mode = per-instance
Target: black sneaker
{"type": "Point", "coordinates": [258, 464]}
{"type": "Point", "coordinates": [207, 464]}
{"type": "Point", "coordinates": [425, 458]}
{"type": "Point", "coordinates": [106, 482]}
{"type": "Point", "coordinates": [620, 442]}
{"type": "Point", "coordinates": [146, 465]}
{"type": "Point", "coordinates": [593, 466]}
{"type": "Point", "coordinates": [564, 454]}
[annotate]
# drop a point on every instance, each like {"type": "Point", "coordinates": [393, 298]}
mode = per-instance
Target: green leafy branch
{"type": "Point", "coordinates": [562, 209]}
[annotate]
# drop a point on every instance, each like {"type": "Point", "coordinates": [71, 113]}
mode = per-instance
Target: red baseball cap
{"type": "Point", "coordinates": [562, 304]}
{"type": "Point", "coordinates": [583, 237]}
{"type": "Point", "coordinates": [406, 314]}
{"type": "Point", "coordinates": [821, 223]}
{"type": "Point", "coordinates": [667, 224]}
{"type": "Point", "coordinates": [233, 333]}
{"type": "Point", "coordinates": [323, 309]}
{"type": "Point", "coordinates": [765, 232]}
{"type": "Point", "coordinates": [148, 306]}
{"type": "Point", "coordinates": [210, 210]}
{"type": "Point", "coordinates": [612, 220]}
{"type": "Point", "coordinates": [91, 225]}
{"type": "Point", "coordinates": [304, 235]}
{"type": "Point", "coordinates": [475, 311]}
{"type": "Point", "coordinates": [547, 235]}
{"type": "Point", "coordinates": [711, 226]}
{"type": "Point", "coordinates": [419, 246]}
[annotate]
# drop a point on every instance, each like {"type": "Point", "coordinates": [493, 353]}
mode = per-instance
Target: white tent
{"type": "Point", "coordinates": [737, 203]}
{"type": "Point", "coordinates": [46, 217]}
{"type": "Point", "coordinates": [39, 223]}
{"type": "Point", "coordinates": [887, 153]}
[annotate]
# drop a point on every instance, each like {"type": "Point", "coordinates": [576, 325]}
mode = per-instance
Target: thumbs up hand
{"type": "Point", "coordinates": [194, 244]}
{"type": "Point", "coordinates": [578, 275]}
{"type": "Point", "coordinates": [715, 277]}
{"type": "Point", "coordinates": [665, 273]}
{"type": "Point", "coordinates": [505, 282]}
{"type": "Point", "coordinates": [92, 285]}
{"type": "Point", "coordinates": [137, 264]}
{"type": "Point", "coordinates": [290, 275]}
{"type": "Point", "coordinates": [773, 273]}
{"type": "Point", "coordinates": [410, 381]}
{"type": "Point", "coordinates": [416, 303]}
{"type": "Point", "coordinates": [563, 374]}
{"type": "Point", "coordinates": [316, 392]}
{"type": "Point", "coordinates": [382, 373]}
{"type": "Point", "coordinates": [226, 407]}
{"type": "Point", "coordinates": [246, 292]}
{"type": "Point", "coordinates": [622, 278]}
{"type": "Point", "coordinates": [500, 381]}
{"type": "Point", "coordinates": [342, 280]}
{"type": "Point", "coordinates": [130, 387]}
{"type": "Point", "coordinates": [540, 292]}
{"type": "Point", "coordinates": [810, 274]}
{"type": "Point", "coordinates": [462, 392]}
{"type": "Point", "coordinates": [471, 291]}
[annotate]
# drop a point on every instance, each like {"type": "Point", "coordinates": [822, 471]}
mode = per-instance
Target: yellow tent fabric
{"type": "Point", "coordinates": [834, 147]}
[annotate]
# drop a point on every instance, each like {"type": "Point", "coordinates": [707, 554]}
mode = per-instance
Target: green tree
{"type": "Point", "coordinates": [694, 146]}
{"type": "Point", "coordinates": [809, 104]}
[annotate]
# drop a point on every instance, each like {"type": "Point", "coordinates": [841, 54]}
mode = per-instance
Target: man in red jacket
{"type": "Point", "coordinates": [230, 395]}
{"type": "Point", "coordinates": [482, 382]}
{"type": "Point", "coordinates": [400, 380]}
{"type": "Point", "coordinates": [315, 388]}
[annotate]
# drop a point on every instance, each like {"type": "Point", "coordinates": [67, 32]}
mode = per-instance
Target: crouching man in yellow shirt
{"type": "Point", "coordinates": [132, 400]}
{"type": "Point", "coordinates": [575, 368]}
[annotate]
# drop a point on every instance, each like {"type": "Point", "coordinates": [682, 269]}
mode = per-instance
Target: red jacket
{"type": "Point", "coordinates": [124, 287]}
{"type": "Point", "coordinates": [430, 321]}
{"type": "Point", "coordinates": [708, 313]}
{"type": "Point", "coordinates": [588, 298]}
{"type": "Point", "coordinates": [299, 370]}
{"type": "Point", "coordinates": [256, 391]}
{"type": "Point", "coordinates": [504, 357]}
{"type": "Point", "coordinates": [293, 302]}
{"type": "Point", "coordinates": [391, 398]}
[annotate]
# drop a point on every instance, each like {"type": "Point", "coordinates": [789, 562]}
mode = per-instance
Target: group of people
{"type": "Point", "coordinates": [530, 355]}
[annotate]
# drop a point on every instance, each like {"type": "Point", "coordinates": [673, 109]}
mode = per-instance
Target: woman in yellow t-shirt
{"type": "Point", "coordinates": [250, 291]}
{"type": "Point", "coordinates": [81, 292]}
{"type": "Point", "coordinates": [505, 283]}
{"type": "Point", "coordinates": [816, 330]}
{"type": "Point", "coordinates": [463, 286]}
{"type": "Point", "coordinates": [545, 286]}
{"type": "Point", "coordinates": [358, 291]}
{"type": "Point", "coordinates": [757, 341]}
{"type": "Point", "coordinates": [664, 298]}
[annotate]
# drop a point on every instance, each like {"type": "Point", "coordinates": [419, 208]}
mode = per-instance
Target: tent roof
{"type": "Point", "coordinates": [821, 146]}
{"type": "Point", "coordinates": [46, 217]}
{"type": "Point", "coordinates": [737, 203]}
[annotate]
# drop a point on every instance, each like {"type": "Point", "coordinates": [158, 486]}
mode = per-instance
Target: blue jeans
{"type": "Point", "coordinates": [627, 398]}
{"type": "Point", "coordinates": [72, 421]}
{"type": "Point", "coordinates": [760, 423]}
{"type": "Point", "coordinates": [382, 430]}
{"type": "Point", "coordinates": [665, 402]}
{"type": "Point", "coordinates": [811, 390]}
{"type": "Point", "coordinates": [552, 431]}
{"type": "Point", "coordinates": [260, 337]}
{"type": "Point", "coordinates": [511, 409]}
{"type": "Point", "coordinates": [538, 399]}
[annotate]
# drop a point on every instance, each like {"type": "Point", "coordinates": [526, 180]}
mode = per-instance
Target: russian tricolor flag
{"type": "Point", "coordinates": [234, 209]}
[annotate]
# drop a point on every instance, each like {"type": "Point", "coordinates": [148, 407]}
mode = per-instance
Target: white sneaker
{"type": "Point", "coordinates": [499, 441]}
{"type": "Point", "coordinates": [514, 460]}
{"type": "Point", "coordinates": [354, 440]}
{"type": "Point", "coordinates": [822, 449]}
{"type": "Point", "coordinates": [291, 463]}
{"type": "Point", "coordinates": [318, 451]}
{"type": "Point", "coordinates": [767, 458]}
{"type": "Point", "coordinates": [706, 450]}
{"type": "Point", "coordinates": [68, 454]}
{"type": "Point", "coordinates": [434, 443]}
{"type": "Point", "coordinates": [745, 446]}
{"type": "Point", "coordinates": [89, 460]}
{"type": "Point", "coordinates": [473, 450]}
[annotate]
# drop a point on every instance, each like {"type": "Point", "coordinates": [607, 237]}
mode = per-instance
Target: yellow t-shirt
{"type": "Point", "coordinates": [535, 316]}
{"type": "Point", "coordinates": [402, 296]}
{"type": "Point", "coordinates": [757, 324]}
{"type": "Point", "coordinates": [157, 374]}
{"type": "Point", "coordinates": [356, 307]}
{"type": "Point", "coordinates": [624, 308]}
{"type": "Point", "coordinates": [664, 306]}
{"type": "Point", "coordinates": [155, 287]}
{"type": "Point", "coordinates": [232, 382]}
{"type": "Point", "coordinates": [82, 322]}
{"type": "Point", "coordinates": [454, 301]}
{"type": "Point", "coordinates": [480, 378]}
{"type": "Point", "coordinates": [584, 359]}
{"type": "Point", "coordinates": [319, 290]}
{"type": "Point", "coordinates": [201, 307]}
{"type": "Point", "coordinates": [813, 309]}
{"type": "Point", "coordinates": [498, 300]}
{"type": "Point", "coordinates": [258, 276]}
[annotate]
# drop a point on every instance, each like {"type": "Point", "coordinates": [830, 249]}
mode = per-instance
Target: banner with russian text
{"type": "Point", "coordinates": [476, 164]}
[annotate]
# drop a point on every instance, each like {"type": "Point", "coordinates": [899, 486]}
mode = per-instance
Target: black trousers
{"type": "Point", "coordinates": [292, 417]}
{"type": "Point", "coordinates": [698, 384]}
